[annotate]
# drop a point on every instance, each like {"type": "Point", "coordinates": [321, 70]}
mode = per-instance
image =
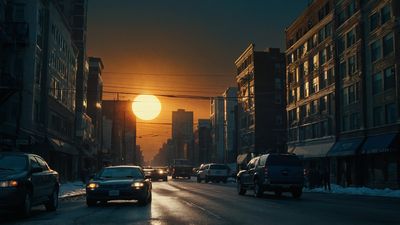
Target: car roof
{"type": "Point", "coordinates": [19, 154]}
{"type": "Point", "coordinates": [123, 166]}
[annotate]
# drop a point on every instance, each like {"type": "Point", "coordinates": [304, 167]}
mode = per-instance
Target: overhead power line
{"type": "Point", "coordinates": [170, 74]}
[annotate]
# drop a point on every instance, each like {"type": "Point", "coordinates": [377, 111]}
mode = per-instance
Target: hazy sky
{"type": "Point", "coordinates": [182, 47]}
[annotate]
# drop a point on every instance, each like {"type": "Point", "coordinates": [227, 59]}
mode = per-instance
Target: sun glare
{"type": "Point", "coordinates": [146, 107]}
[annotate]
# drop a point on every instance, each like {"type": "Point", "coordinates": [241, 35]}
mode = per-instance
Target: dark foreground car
{"type": "Point", "coordinates": [119, 183]}
{"type": "Point", "coordinates": [272, 172]}
{"type": "Point", "coordinates": [25, 181]}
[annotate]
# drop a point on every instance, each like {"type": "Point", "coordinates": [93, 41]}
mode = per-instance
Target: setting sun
{"type": "Point", "coordinates": [146, 107]}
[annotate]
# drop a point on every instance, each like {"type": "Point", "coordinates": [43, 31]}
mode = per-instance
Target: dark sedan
{"type": "Point", "coordinates": [25, 181]}
{"type": "Point", "coordinates": [119, 183]}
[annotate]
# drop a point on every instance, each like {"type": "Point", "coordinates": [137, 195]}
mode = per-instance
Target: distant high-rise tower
{"type": "Point", "coordinates": [182, 133]}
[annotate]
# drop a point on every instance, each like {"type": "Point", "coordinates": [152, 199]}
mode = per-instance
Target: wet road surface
{"type": "Point", "coordinates": [187, 202]}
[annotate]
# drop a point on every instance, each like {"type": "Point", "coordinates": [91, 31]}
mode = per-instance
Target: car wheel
{"type": "Point", "coordinates": [296, 193]}
{"type": "Point", "coordinates": [258, 191]}
{"type": "Point", "coordinates": [27, 206]}
{"type": "Point", "coordinates": [90, 202]}
{"type": "Point", "coordinates": [52, 204]}
{"type": "Point", "coordinates": [240, 189]}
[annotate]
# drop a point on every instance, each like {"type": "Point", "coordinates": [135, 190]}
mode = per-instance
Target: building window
{"type": "Point", "coordinates": [345, 96]}
{"type": "Point", "coordinates": [391, 114]}
{"type": "Point", "coordinates": [306, 89]}
{"type": "Point", "coordinates": [378, 116]}
{"type": "Point", "coordinates": [341, 44]}
{"type": "Point", "coordinates": [314, 107]}
{"type": "Point", "coordinates": [390, 80]}
{"type": "Point", "coordinates": [373, 21]}
{"type": "Point", "coordinates": [328, 30]}
{"type": "Point", "coordinates": [352, 65]}
{"type": "Point", "coordinates": [323, 104]}
{"type": "Point", "coordinates": [352, 94]}
{"type": "Point", "coordinates": [388, 44]}
{"type": "Point", "coordinates": [376, 50]}
{"type": "Point", "coordinates": [345, 123]}
{"type": "Point", "coordinates": [331, 76]}
{"type": "Point", "coordinates": [305, 68]}
{"type": "Point", "coordinates": [322, 58]}
{"type": "Point", "coordinates": [341, 17]}
{"type": "Point", "coordinates": [385, 14]}
{"type": "Point", "coordinates": [354, 121]}
{"type": "Point", "coordinates": [377, 83]}
{"type": "Point", "coordinates": [321, 35]}
{"type": "Point", "coordinates": [351, 8]}
{"type": "Point", "coordinates": [351, 38]}
{"type": "Point", "coordinates": [342, 69]}
{"type": "Point", "coordinates": [315, 61]}
{"type": "Point", "coordinates": [315, 84]}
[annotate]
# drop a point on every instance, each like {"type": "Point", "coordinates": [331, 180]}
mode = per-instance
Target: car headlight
{"type": "Point", "coordinates": [137, 184]}
{"type": "Point", "coordinates": [9, 183]}
{"type": "Point", "coordinates": [161, 172]}
{"type": "Point", "coordinates": [92, 186]}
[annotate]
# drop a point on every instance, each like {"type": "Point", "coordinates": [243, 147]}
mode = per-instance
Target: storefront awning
{"type": "Point", "coordinates": [63, 147]}
{"type": "Point", "coordinates": [313, 150]}
{"type": "Point", "coordinates": [380, 143]}
{"type": "Point", "coordinates": [242, 158]}
{"type": "Point", "coordinates": [345, 147]}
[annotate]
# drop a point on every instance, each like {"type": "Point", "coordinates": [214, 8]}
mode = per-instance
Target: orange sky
{"type": "Point", "coordinates": [184, 47]}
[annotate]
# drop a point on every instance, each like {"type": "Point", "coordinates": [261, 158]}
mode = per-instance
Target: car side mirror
{"type": "Point", "coordinates": [37, 170]}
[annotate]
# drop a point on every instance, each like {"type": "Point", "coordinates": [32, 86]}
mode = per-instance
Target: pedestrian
{"type": "Point", "coordinates": [327, 179]}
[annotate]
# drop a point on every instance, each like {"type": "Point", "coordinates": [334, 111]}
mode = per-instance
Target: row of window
{"type": "Point", "coordinates": [307, 46]}
{"type": "Point", "coordinates": [318, 106]}
{"type": "Point", "coordinates": [383, 80]}
{"type": "Point", "coordinates": [380, 17]}
{"type": "Point", "coordinates": [350, 94]}
{"type": "Point", "coordinates": [347, 40]}
{"type": "Point", "coordinates": [347, 12]}
{"type": "Point", "coordinates": [310, 131]}
{"type": "Point", "coordinates": [63, 95]}
{"type": "Point", "coordinates": [386, 114]}
{"type": "Point", "coordinates": [382, 47]}
{"type": "Point", "coordinates": [348, 67]}
{"type": "Point", "coordinates": [351, 121]}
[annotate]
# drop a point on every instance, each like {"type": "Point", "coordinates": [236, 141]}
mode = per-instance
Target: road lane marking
{"type": "Point", "coordinates": [191, 204]}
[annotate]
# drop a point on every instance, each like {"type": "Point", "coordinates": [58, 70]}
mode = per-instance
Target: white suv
{"type": "Point", "coordinates": [213, 172]}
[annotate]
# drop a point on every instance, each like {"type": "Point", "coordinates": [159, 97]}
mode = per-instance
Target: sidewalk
{"type": "Point", "coordinates": [336, 189]}
{"type": "Point", "coordinates": [72, 189]}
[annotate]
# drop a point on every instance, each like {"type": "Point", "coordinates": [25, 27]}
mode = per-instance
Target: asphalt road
{"type": "Point", "coordinates": [187, 202]}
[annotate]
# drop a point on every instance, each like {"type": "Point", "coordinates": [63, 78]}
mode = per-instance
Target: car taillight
{"type": "Point", "coordinates": [266, 171]}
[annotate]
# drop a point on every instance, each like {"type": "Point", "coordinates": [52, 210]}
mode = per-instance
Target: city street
{"type": "Point", "coordinates": [187, 202]}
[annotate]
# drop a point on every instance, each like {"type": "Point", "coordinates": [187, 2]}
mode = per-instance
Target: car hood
{"type": "Point", "coordinates": [117, 181]}
{"type": "Point", "coordinates": [9, 175]}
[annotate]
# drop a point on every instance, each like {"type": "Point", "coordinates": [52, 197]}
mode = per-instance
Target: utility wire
{"type": "Point", "coordinates": [170, 74]}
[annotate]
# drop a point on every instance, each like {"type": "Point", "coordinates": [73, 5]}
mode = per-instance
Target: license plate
{"type": "Point", "coordinates": [113, 193]}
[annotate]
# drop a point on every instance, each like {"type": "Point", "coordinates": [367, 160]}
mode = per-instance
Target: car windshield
{"type": "Point", "coordinates": [218, 167]}
{"type": "Point", "coordinates": [13, 162]}
{"type": "Point", "coordinates": [287, 160]}
{"type": "Point", "coordinates": [111, 173]}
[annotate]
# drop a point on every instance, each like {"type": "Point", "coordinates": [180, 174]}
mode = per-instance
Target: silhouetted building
{"type": "Point", "coordinates": [182, 133]}
{"type": "Point", "coordinates": [95, 97]}
{"type": "Point", "coordinates": [123, 134]}
{"type": "Point", "coordinates": [203, 142]}
{"type": "Point", "coordinates": [217, 129]}
{"type": "Point", "coordinates": [261, 113]}
{"type": "Point", "coordinates": [230, 124]}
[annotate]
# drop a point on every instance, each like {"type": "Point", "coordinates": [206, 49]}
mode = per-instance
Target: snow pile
{"type": "Point", "coordinates": [336, 189]}
{"type": "Point", "coordinates": [72, 189]}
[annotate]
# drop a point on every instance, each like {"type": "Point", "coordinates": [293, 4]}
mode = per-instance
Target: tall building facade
{"type": "Point", "coordinates": [261, 115]}
{"type": "Point", "coordinates": [356, 86]}
{"type": "Point", "coordinates": [38, 71]}
{"type": "Point", "coordinates": [230, 124]}
{"type": "Point", "coordinates": [123, 131]}
{"type": "Point", "coordinates": [203, 142]}
{"type": "Point", "coordinates": [217, 129]}
{"type": "Point", "coordinates": [182, 134]}
{"type": "Point", "coordinates": [94, 99]}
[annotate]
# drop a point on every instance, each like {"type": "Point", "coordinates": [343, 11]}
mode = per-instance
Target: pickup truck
{"type": "Point", "coordinates": [181, 168]}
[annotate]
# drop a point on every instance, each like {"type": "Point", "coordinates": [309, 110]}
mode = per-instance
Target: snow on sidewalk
{"type": "Point", "coordinates": [336, 189]}
{"type": "Point", "coordinates": [72, 189]}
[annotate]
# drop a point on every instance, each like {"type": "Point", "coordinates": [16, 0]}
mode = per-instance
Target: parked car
{"type": "Point", "coordinates": [25, 181]}
{"type": "Point", "coordinates": [119, 183]}
{"type": "Point", "coordinates": [272, 172]}
{"type": "Point", "coordinates": [213, 172]}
